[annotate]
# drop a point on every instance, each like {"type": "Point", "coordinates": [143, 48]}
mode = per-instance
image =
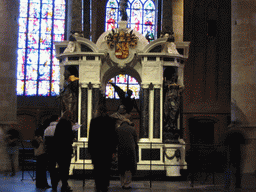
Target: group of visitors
{"type": "Point", "coordinates": [53, 148]}
{"type": "Point", "coordinates": [108, 133]}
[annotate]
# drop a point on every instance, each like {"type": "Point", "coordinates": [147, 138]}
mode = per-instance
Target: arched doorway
{"type": "Point", "coordinates": [125, 82]}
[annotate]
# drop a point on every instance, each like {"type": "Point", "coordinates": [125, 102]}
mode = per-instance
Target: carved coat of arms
{"type": "Point", "coordinates": [121, 41]}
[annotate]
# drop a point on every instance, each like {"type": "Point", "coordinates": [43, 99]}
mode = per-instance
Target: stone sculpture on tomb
{"type": "Point", "coordinates": [69, 95]}
{"type": "Point", "coordinates": [172, 101]}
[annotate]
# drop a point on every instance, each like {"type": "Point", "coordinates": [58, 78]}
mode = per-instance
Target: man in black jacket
{"type": "Point", "coordinates": [101, 145]}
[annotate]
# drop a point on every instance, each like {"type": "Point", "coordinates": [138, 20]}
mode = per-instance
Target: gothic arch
{"type": "Point", "coordinates": [113, 71]}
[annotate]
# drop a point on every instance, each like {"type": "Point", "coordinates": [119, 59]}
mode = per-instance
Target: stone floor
{"type": "Point", "coordinates": [13, 184]}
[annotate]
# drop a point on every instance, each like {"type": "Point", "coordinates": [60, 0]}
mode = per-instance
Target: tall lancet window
{"type": "Point", "coordinates": [41, 22]}
{"type": "Point", "coordinates": [141, 16]}
{"type": "Point", "coordinates": [125, 82]}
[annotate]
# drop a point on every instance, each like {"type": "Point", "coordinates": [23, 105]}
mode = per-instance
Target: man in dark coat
{"type": "Point", "coordinates": [127, 153]}
{"type": "Point", "coordinates": [63, 138]}
{"type": "Point", "coordinates": [234, 138]}
{"type": "Point", "coordinates": [101, 145]}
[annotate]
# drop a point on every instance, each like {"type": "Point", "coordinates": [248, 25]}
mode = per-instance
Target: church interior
{"type": "Point", "coordinates": [189, 63]}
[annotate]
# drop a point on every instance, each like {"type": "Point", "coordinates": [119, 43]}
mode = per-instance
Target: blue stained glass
{"type": "Point", "coordinates": [22, 40]}
{"type": "Point", "coordinates": [135, 91]}
{"type": "Point", "coordinates": [20, 71]}
{"type": "Point", "coordinates": [44, 72]}
{"type": "Point", "coordinates": [30, 88]}
{"type": "Point", "coordinates": [59, 1]}
{"type": "Point", "coordinates": [36, 32]}
{"type": "Point", "coordinates": [22, 25]}
{"type": "Point", "coordinates": [137, 4]}
{"type": "Point", "coordinates": [20, 87]}
{"type": "Point", "coordinates": [48, 1]}
{"type": "Point", "coordinates": [55, 61]}
{"type": "Point", "coordinates": [21, 56]}
{"type": "Point", "coordinates": [109, 91]}
{"type": "Point", "coordinates": [32, 56]}
{"type": "Point", "coordinates": [59, 26]}
{"type": "Point", "coordinates": [59, 11]}
{"type": "Point", "coordinates": [112, 3]}
{"type": "Point", "coordinates": [45, 41]}
{"type": "Point", "coordinates": [33, 40]}
{"type": "Point", "coordinates": [46, 26]}
{"type": "Point", "coordinates": [58, 37]}
{"type": "Point", "coordinates": [34, 10]}
{"type": "Point", "coordinates": [141, 16]}
{"type": "Point", "coordinates": [47, 10]}
{"type": "Point", "coordinates": [149, 5]}
{"type": "Point", "coordinates": [55, 72]}
{"type": "Point", "coordinates": [31, 72]}
{"type": "Point", "coordinates": [44, 88]}
{"type": "Point", "coordinates": [23, 9]}
{"type": "Point", "coordinates": [33, 25]}
{"type": "Point", "coordinates": [45, 56]}
{"type": "Point", "coordinates": [55, 89]}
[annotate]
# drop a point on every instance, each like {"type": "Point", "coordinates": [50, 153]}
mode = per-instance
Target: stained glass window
{"type": "Point", "coordinates": [41, 22]}
{"type": "Point", "coordinates": [141, 16]}
{"type": "Point", "coordinates": [125, 82]}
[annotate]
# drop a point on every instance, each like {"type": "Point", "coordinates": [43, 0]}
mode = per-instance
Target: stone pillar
{"type": "Point", "coordinates": [95, 101]}
{"type": "Point", "coordinates": [84, 112]}
{"type": "Point", "coordinates": [243, 84]}
{"type": "Point", "coordinates": [144, 131]}
{"type": "Point", "coordinates": [167, 23]}
{"type": "Point", "coordinates": [157, 119]}
{"type": "Point", "coordinates": [172, 18]}
{"type": "Point", "coordinates": [76, 15]}
{"type": "Point", "coordinates": [9, 13]}
{"type": "Point", "coordinates": [87, 19]}
{"type": "Point", "coordinates": [177, 19]}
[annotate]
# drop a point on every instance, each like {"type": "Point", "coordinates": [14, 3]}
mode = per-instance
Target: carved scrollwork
{"type": "Point", "coordinates": [177, 154]}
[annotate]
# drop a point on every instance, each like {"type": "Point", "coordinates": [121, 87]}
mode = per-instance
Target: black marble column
{"type": "Point", "coordinates": [167, 24]}
{"type": "Point", "coordinates": [95, 101]}
{"type": "Point", "coordinates": [87, 19]}
{"type": "Point", "coordinates": [76, 15]}
{"type": "Point", "coordinates": [156, 132]}
{"type": "Point", "coordinates": [144, 128]}
{"type": "Point", "coordinates": [84, 107]}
